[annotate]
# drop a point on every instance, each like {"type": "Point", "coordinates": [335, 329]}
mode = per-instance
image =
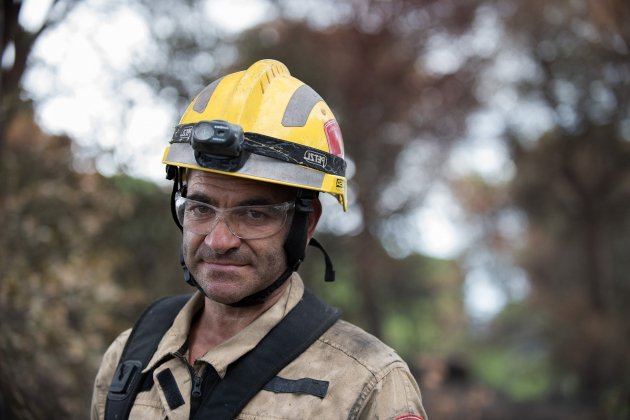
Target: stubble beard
{"type": "Point", "coordinates": [259, 271]}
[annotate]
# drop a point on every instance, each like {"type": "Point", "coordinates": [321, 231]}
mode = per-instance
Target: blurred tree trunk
{"type": "Point", "coordinates": [576, 192]}
{"type": "Point", "coordinates": [16, 45]}
{"type": "Point", "coordinates": [574, 185]}
{"type": "Point", "coordinates": [81, 255]}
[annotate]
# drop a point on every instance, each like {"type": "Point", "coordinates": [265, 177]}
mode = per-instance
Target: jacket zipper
{"type": "Point", "coordinates": [196, 388]}
{"type": "Point", "coordinates": [196, 380]}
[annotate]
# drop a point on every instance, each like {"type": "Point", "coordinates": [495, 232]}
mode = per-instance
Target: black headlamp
{"type": "Point", "coordinates": [217, 144]}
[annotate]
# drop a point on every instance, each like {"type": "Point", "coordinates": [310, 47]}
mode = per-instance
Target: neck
{"type": "Point", "coordinates": [218, 322]}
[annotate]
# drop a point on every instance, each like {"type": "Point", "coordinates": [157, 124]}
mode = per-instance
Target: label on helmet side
{"type": "Point", "coordinates": [183, 133]}
{"type": "Point", "coordinates": [296, 153]}
{"type": "Point", "coordinates": [315, 158]}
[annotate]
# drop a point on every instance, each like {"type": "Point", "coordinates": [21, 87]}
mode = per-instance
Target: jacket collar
{"type": "Point", "coordinates": [231, 350]}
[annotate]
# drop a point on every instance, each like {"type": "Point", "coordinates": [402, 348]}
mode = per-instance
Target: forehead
{"type": "Point", "coordinates": [215, 184]}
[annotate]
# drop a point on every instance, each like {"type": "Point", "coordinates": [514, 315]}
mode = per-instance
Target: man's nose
{"type": "Point", "coordinates": [221, 239]}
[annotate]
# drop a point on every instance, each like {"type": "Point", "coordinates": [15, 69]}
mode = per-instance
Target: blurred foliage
{"type": "Point", "coordinates": [576, 192]}
{"type": "Point", "coordinates": [16, 45]}
{"type": "Point", "coordinates": [574, 186]}
{"type": "Point", "coordinates": [513, 357]}
{"type": "Point", "coordinates": [81, 254]}
{"type": "Point", "coordinates": [419, 296]}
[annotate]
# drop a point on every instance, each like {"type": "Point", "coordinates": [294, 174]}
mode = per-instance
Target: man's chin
{"type": "Point", "coordinates": [224, 291]}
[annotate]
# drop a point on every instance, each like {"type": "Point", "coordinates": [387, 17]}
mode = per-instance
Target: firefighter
{"type": "Point", "coordinates": [248, 160]}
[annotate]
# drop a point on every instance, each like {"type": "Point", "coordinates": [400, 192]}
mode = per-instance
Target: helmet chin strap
{"type": "Point", "coordinates": [294, 245]}
{"type": "Point", "coordinates": [294, 248]}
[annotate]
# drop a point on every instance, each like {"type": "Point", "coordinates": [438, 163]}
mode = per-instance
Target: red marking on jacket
{"type": "Point", "coordinates": [409, 417]}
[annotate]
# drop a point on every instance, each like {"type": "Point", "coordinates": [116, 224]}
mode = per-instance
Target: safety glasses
{"type": "Point", "coordinates": [245, 222]}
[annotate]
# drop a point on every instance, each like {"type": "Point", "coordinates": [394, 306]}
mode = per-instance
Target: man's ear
{"type": "Point", "coordinates": [313, 218]}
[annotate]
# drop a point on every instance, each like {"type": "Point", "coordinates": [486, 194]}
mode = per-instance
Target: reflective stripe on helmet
{"type": "Point", "coordinates": [257, 167]}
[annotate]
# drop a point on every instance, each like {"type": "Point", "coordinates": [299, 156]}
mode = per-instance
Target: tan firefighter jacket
{"type": "Point", "coordinates": [365, 378]}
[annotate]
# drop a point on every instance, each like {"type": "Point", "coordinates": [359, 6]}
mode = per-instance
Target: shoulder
{"type": "Point", "coordinates": [346, 353]}
{"type": "Point", "coordinates": [106, 373]}
{"type": "Point", "coordinates": [388, 390]}
{"type": "Point", "coordinates": [353, 343]}
{"type": "Point", "coordinates": [367, 377]}
{"type": "Point", "coordinates": [112, 356]}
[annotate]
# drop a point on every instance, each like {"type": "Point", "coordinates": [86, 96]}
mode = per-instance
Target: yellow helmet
{"type": "Point", "coordinates": [266, 125]}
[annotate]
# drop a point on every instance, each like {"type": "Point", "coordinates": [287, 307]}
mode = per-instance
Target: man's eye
{"type": "Point", "coordinates": [256, 214]}
{"type": "Point", "coordinates": [200, 210]}
{"type": "Point", "coordinates": [252, 214]}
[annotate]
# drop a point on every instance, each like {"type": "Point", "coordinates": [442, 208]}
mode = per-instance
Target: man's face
{"type": "Point", "coordinates": [226, 267]}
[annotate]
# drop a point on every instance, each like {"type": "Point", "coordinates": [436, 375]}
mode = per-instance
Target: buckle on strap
{"type": "Point", "coordinates": [126, 373]}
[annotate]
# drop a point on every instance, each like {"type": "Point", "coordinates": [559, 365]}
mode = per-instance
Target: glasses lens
{"type": "Point", "coordinates": [245, 222]}
{"type": "Point", "coordinates": [255, 222]}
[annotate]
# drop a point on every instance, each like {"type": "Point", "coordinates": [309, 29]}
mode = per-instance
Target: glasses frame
{"type": "Point", "coordinates": [222, 214]}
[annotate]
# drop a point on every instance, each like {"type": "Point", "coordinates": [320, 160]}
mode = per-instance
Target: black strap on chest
{"type": "Point", "coordinates": [245, 377]}
{"type": "Point", "coordinates": [309, 319]}
{"type": "Point", "coordinates": [141, 344]}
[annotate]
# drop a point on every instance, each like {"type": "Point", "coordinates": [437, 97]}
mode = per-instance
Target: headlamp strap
{"type": "Point", "coordinates": [223, 146]}
{"type": "Point", "coordinates": [295, 153]}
